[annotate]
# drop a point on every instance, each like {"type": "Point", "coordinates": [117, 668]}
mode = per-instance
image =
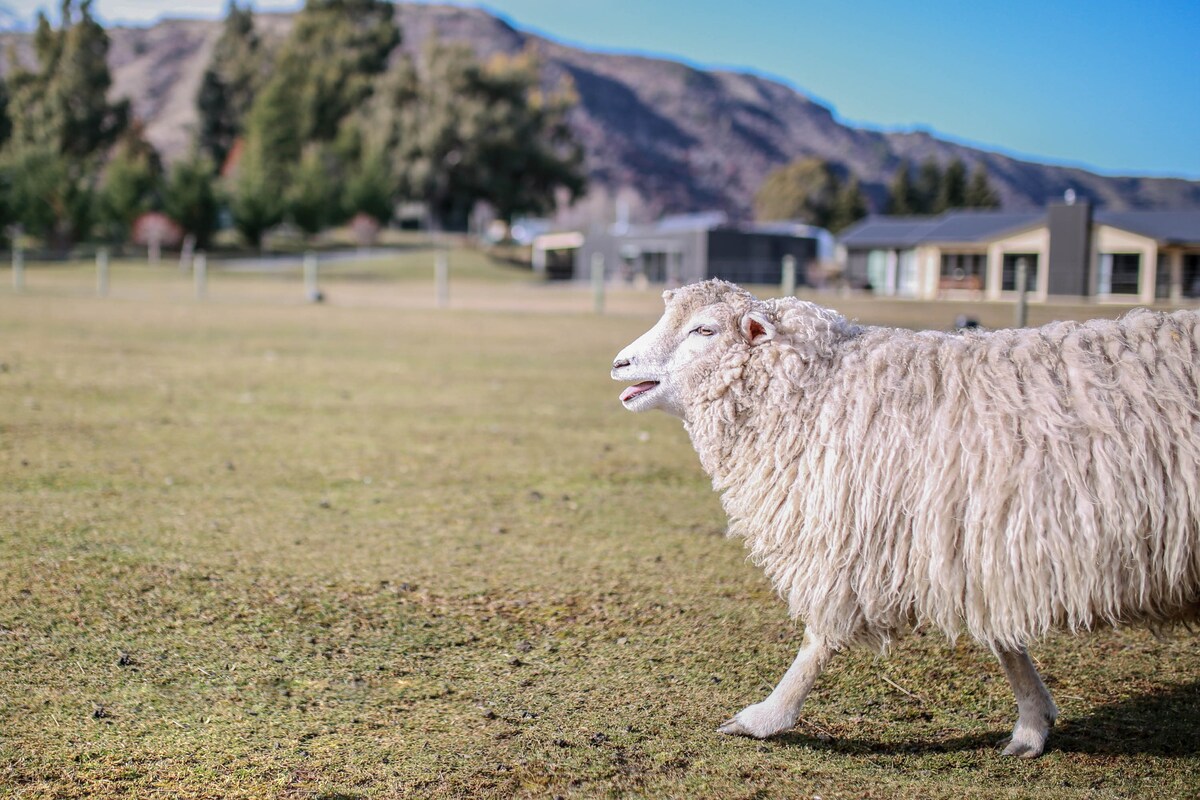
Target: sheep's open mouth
{"type": "Point", "coordinates": [637, 389]}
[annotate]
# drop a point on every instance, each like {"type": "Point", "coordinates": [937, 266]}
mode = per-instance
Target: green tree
{"type": "Point", "coordinates": [849, 206]}
{"type": "Point", "coordinates": [980, 193]}
{"type": "Point", "coordinates": [256, 201]}
{"type": "Point", "coordinates": [325, 69]}
{"type": "Point", "coordinates": [311, 195]}
{"type": "Point", "coordinates": [953, 190]}
{"type": "Point", "coordinates": [62, 124]}
{"type": "Point", "coordinates": [329, 62]}
{"type": "Point", "coordinates": [234, 75]}
{"type": "Point", "coordinates": [804, 189]}
{"type": "Point", "coordinates": [5, 120]}
{"type": "Point", "coordinates": [369, 190]}
{"type": "Point", "coordinates": [902, 194]}
{"type": "Point", "coordinates": [132, 183]}
{"type": "Point", "coordinates": [190, 198]}
{"type": "Point", "coordinates": [47, 200]}
{"type": "Point", "coordinates": [928, 186]}
{"type": "Point", "coordinates": [473, 132]}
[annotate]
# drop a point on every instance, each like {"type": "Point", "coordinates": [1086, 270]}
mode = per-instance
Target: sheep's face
{"type": "Point", "coordinates": [686, 345]}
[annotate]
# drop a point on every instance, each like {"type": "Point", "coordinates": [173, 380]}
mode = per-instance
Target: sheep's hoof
{"type": "Point", "coordinates": [731, 727]}
{"type": "Point", "coordinates": [1026, 743]}
{"type": "Point", "coordinates": [758, 721]}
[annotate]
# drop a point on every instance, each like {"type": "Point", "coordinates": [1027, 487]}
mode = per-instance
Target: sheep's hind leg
{"type": "Point", "coordinates": [779, 712]}
{"type": "Point", "coordinates": [1036, 711]}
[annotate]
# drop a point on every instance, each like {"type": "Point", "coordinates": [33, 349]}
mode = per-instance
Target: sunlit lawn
{"type": "Point", "coordinates": [251, 547]}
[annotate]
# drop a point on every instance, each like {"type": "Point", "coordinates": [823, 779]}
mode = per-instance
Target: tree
{"type": "Point", "coordinates": [62, 124]}
{"type": "Point", "coordinates": [849, 206]}
{"type": "Point", "coordinates": [928, 186]}
{"type": "Point", "coordinates": [132, 183]}
{"type": "Point", "coordinates": [47, 199]}
{"type": "Point", "coordinates": [369, 190]}
{"type": "Point", "coordinates": [234, 75]}
{"type": "Point", "coordinates": [257, 199]}
{"type": "Point", "coordinates": [979, 190]}
{"type": "Point", "coordinates": [953, 190]}
{"type": "Point", "coordinates": [308, 196]}
{"type": "Point", "coordinates": [190, 198]}
{"type": "Point", "coordinates": [902, 194]}
{"type": "Point", "coordinates": [329, 62]}
{"type": "Point", "coordinates": [325, 69]}
{"type": "Point", "coordinates": [471, 132]}
{"type": "Point", "coordinates": [804, 189]}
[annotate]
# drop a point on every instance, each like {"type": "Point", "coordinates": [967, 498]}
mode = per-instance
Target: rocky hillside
{"type": "Point", "coordinates": [684, 139]}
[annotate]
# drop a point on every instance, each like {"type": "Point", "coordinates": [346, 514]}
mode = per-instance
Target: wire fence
{"type": "Point", "coordinates": [414, 277]}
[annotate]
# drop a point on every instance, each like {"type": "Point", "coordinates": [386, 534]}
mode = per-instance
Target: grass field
{"type": "Point", "coordinates": [256, 548]}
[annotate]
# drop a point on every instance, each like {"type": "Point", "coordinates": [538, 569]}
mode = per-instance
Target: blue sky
{"type": "Point", "coordinates": [1111, 86]}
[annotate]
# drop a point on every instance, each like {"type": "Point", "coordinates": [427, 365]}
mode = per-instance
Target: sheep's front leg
{"type": "Point", "coordinates": [779, 712]}
{"type": "Point", "coordinates": [1036, 711]}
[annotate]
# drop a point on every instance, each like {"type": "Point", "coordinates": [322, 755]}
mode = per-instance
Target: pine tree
{"type": "Point", "coordinates": [979, 190]}
{"type": "Point", "coordinates": [235, 74]}
{"type": "Point", "coordinates": [953, 191]}
{"type": "Point", "coordinates": [849, 206]}
{"type": "Point", "coordinates": [927, 187]}
{"type": "Point", "coordinates": [330, 60]}
{"type": "Point", "coordinates": [902, 195]}
{"type": "Point", "coordinates": [62, 125]}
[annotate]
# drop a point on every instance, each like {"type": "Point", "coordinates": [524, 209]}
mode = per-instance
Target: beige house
{"type": "Point", "coordinates": [1136, 257]}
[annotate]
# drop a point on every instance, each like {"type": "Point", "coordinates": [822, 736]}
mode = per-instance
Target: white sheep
{"type": "Point", "coordinates": [1005, 483]}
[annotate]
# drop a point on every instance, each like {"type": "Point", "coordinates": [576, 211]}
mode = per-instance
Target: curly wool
{"type": "Point", "coordinates": [1004, 483]}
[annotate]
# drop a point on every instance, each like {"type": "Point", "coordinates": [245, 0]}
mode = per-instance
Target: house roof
{"type": "Point", "coordinates": [886, 232]}
{"type": "Point", "coordinates": [952, 226]}
{"type": "Point", "coordinates": [975, 226]}
{"type": "Point", "coordinates": [1171, 227]}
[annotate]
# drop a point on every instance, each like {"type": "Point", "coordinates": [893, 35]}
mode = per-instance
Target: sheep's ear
{"type": "Point", "coordinates": [757, 328]}
{"type": "Point", "coordinates": [667, 296]}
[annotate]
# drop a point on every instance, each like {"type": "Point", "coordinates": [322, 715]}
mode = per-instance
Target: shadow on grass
{"type": "Point", "coordinates": [1165, 723]}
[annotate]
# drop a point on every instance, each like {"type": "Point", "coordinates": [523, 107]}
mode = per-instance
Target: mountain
{"type": "Point", "coordinates": [684, 139]}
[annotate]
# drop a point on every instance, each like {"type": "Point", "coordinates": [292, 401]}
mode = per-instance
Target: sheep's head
{"type": "Point", "coordinates": [703, 325]}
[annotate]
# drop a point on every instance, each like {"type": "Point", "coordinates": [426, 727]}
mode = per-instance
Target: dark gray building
{"type": "Point", "coordinates": [681, 249]}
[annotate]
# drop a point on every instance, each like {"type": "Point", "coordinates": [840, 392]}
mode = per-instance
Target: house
{"type": "Point", "coordinates": [1069, 251]}
{"type": "Point", "coordinates": [681, 249]}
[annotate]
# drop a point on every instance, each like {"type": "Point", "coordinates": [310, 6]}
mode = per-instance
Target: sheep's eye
{"type": "Point", "coordinates": [704, 330]}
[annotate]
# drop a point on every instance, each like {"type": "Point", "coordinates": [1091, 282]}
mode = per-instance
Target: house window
{"type": "Point", "coordinates": [1119, 273]}
{"type": "Point", "coordinates": [1008, 275]}
{"type": "Point", "coordinates": [963, 270]}
{"type": "Point", "coordinates": [1191, 275]}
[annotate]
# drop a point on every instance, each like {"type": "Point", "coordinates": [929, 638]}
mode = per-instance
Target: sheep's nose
{"type": "Point", "coordinates": [620, 362]}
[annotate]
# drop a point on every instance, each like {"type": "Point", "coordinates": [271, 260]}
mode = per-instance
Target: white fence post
{"type": "Point", "coordinates": [18, 266]}
{"type": "Point", "coordinates": [312, 292]}
{"type": "Point", "coordinates": [102, 272]}
{"type": "Point", "coordinates": [200, 274]}
{"type": "Point", "coordinates": [598, 282]}
{"type": "Point", "coordinates": [789, 276]}
{"type": "Point", "coordinates": [1022, 292]}
{"type": "Point", "coordinates": [441, 277]}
